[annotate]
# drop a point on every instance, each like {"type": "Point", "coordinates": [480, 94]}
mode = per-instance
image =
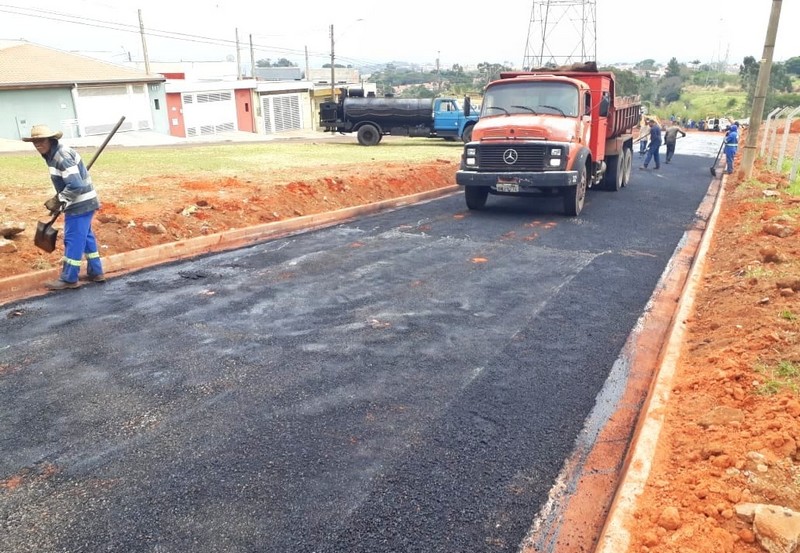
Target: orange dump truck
{"type": "Point", "coordinates": [546, 133]}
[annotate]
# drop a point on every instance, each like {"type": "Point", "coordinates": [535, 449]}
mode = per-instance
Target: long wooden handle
{"type": "Point", "coordinates": [105, 142]}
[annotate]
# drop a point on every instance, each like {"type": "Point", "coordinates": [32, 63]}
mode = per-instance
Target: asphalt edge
{"type": "Point", "coordinates": [615, 537]}
{"type": "Point", "coordinates": [28, 285]}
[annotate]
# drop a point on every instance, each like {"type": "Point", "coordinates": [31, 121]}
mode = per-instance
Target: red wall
{"type": "Point", "coordinates": [244, 110]}
{"type": "Point", "coordinates": [175, 115]}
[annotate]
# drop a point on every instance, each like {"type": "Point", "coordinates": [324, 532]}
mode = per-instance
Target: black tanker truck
{"type": "Point", "coordinates": [372, 117]}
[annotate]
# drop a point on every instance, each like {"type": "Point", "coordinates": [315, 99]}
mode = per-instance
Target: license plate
{"type": "Point", "coordinates": [507, 186]}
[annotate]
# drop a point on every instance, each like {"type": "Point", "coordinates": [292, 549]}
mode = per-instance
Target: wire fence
{"type": "Point", "coordinates": [781, 133]}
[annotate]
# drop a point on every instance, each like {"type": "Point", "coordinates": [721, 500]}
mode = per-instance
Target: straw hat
{"type": "Point", "coordinates": [42, 131]}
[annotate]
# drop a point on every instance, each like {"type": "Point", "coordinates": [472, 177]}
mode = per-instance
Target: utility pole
{"type": "Point", "coordinates": [333, 71]}
{"type": "Point", "coordinates": [762, 85]}
{"type": "Point", "coordinates": [307, 70]}
{"type": "Point", "coordinates": [238, 57]}
{"type": "Point", "coordinates": [144, 45]}
{"type": "Point", "coordinates": [252, 59]}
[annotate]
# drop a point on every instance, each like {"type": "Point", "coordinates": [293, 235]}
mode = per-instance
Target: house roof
{"type": "Point", "coordinates": [28, 65]}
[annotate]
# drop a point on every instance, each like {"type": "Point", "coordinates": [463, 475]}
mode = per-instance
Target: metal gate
{"type": "Point", "coordinates": [209, 112]}
{"type": "Point", "coordinates": [281, 112]}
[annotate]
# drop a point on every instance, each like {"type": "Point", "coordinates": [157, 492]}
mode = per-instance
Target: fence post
{"type": "Point", "coordinates": [786, 127]}
{"type": "Point", "coordinates": [774, 138]}
{"type": "Point", "coordinates": [771, 115]}
{"type": "Point", "coordinates": [793, 172]}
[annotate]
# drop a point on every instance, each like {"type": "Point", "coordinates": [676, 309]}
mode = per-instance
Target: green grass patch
{"type": "Point", "coordinates": [699, 103]}
{"type": "Point", "coordinates": [783, 375]}
{"type": "Point", "coordinates": [125, 165]}
{"type": "Point", "coordinates": [787, 315]}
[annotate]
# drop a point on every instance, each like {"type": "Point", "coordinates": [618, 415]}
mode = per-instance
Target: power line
{"type": "Point", "coordinates": [159, 33]}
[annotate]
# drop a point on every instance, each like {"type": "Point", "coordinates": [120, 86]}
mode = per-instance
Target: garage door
{"type": "Point", "coordinates": [209, 112]}
{"type": "Point", "coordinates": [100, 107]}
{"type": "Point", "coordinates": [282, 113]}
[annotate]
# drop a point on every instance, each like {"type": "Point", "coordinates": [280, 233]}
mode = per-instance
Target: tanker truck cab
{"type": "Point", "coordinates": [547, 134]}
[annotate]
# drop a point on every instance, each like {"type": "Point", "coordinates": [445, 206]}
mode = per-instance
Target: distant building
{"type": "Point", "coordinates": [279, 74]}
{"type": "Point", "coordinates": [342, 75]}
{"type": "Point", "coordinates": [79, 95]}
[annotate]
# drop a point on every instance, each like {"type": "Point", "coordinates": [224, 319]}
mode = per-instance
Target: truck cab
{"type": "Point", "coordinates": [549, 133]}
{"type": "Point", "coordinates": [451, 121]}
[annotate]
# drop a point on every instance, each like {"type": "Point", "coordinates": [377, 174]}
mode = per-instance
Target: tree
{"type": "Point", "coordinates": [673, 68]}
{"type": "Point", "coordinates": [669, 89]}
{"type": "Point", "coordinates": [779, 80]}
{"type": "Point", "coordinates": [793, 65]}
{"type": "Point", "coordinates": [646, 65]}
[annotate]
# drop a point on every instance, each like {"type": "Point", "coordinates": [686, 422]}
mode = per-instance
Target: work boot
{"type": "Point", "coordinates": [60, 285]}
{"type": "Point", "coordinates": [93, 278]}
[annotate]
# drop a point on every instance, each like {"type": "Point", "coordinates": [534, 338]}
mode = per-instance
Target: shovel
{"type": "Point", "coordinates": [46, 235]}
{"type": "Point", "coordinates": [716, 159]}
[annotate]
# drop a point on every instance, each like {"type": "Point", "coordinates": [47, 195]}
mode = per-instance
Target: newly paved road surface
{"type": "Point", "coordinates": [410, 382]}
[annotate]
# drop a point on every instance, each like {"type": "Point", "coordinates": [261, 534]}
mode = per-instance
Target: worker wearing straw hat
{"type": "Point", "coordinates": [77, 199]}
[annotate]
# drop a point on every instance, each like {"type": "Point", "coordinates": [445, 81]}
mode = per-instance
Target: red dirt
{"type": "Point", "coordinates": [196, 207]}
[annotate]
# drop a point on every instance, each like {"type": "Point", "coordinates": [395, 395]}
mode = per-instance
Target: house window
{"type": "Point", "coordinates": [247, 107]}
{"type": "Point", "coordinates": [157, 104]}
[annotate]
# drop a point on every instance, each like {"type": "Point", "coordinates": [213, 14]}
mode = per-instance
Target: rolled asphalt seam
{"type": "Point", "coordinates": [615, 537]}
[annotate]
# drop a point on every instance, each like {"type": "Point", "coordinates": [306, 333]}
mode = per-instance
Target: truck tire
{"type": "Point", "coordinates": [575, 196]}
{"type": "Point", "coordinates": [466, 136]}
{"type": "Point", "coordinates": [627, 165]}
{"type": "Point", "coordinates": [476, 196]}
{"type": "Point", "coordinates": [368, 135]}
{"type": "Point", "coordinates": [612, 180]}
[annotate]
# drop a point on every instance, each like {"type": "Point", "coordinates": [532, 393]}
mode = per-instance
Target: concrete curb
{"type": "Point", "coordinates": [31, 284]}
{"type": "Point", "coordinates": [615, 537]}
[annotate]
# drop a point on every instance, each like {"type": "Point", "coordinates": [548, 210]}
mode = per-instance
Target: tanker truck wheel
{"type": "Point", "coordinates": [476, 196]}
{"type": "Point", "coordinates": [368, 135]}
{"type": "Point", "coordinates": [575, 195]}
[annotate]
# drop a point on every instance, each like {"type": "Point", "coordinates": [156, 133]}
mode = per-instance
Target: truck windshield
{"type": "Point", "coordinates": [531, 97]}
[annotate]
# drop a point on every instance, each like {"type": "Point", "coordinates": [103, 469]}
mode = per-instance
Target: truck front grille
{"type": "Point", "coordinates": [499, 157]}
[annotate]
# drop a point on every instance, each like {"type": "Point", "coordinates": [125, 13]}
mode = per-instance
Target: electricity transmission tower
{"type": "Point", "coordinates": [561, 32]}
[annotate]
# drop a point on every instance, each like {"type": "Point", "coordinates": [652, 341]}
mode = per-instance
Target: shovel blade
{"type": "Point", "coordinates": [45, 237]}
{"type": "Point", "coordinates": [713, 171]}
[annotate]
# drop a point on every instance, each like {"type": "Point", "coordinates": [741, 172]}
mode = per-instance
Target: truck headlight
{"type": "Point", "coordinates": [472, 151]}
{"type": "Point", "coordinates": [555, 162]}
{"type": "Point", "coordinates": [471, 161]}
{"type": "Point", "coordinates": [555, 152]}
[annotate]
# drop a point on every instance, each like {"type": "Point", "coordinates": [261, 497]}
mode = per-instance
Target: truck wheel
{"type": "Point", "coordinates": [627, 165]}
{"type": "Point", "coordinates": [476, 196]}
{"type": "Point", "coordinates": [612, 180]}
{"type": "Point", "coordinates": [466, 136]}
{"type": "Point", "coordinates": [368, 135]}
{"type": "Point", "coordinates": [575, 195]}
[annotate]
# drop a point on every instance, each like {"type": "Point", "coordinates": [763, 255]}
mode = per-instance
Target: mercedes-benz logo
{"type": "Point", "coordinates": [510, 156]}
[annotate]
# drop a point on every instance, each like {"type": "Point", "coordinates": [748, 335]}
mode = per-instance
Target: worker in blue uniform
{"type": "Point", "coordinates": [655, 144]}
{"type": "Point", "coordinates": [731, 147]}
{"type": "Point", "coordinates": [77, 199]}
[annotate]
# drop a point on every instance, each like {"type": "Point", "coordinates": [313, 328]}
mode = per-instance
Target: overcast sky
{"type": "Point", "coordinates": [418, 31]}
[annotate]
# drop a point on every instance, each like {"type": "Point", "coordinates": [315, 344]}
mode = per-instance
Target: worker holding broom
{"type": "Point", "coordinates": [77, 199]}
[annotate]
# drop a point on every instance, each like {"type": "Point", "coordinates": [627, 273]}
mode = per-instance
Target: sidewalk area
{"type": "Point", "coordinates": [152, 138]}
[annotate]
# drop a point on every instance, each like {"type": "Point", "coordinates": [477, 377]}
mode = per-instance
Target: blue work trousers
{"type": "Point", "coordinates": [652, 153]}
{"type": "Point", "coordinates": [79, 240]}
{"type": "Point", "coordinates": [730, 152]}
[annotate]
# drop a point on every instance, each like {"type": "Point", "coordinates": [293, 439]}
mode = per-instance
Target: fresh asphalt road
{"type": "Point", "coordinates": [408, 382]}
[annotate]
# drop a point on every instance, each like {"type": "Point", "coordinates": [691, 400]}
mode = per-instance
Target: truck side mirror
{"type": "Point", "coordinates": [605, 103]}
{"type": "Point", "coordinates": [467, 106]}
